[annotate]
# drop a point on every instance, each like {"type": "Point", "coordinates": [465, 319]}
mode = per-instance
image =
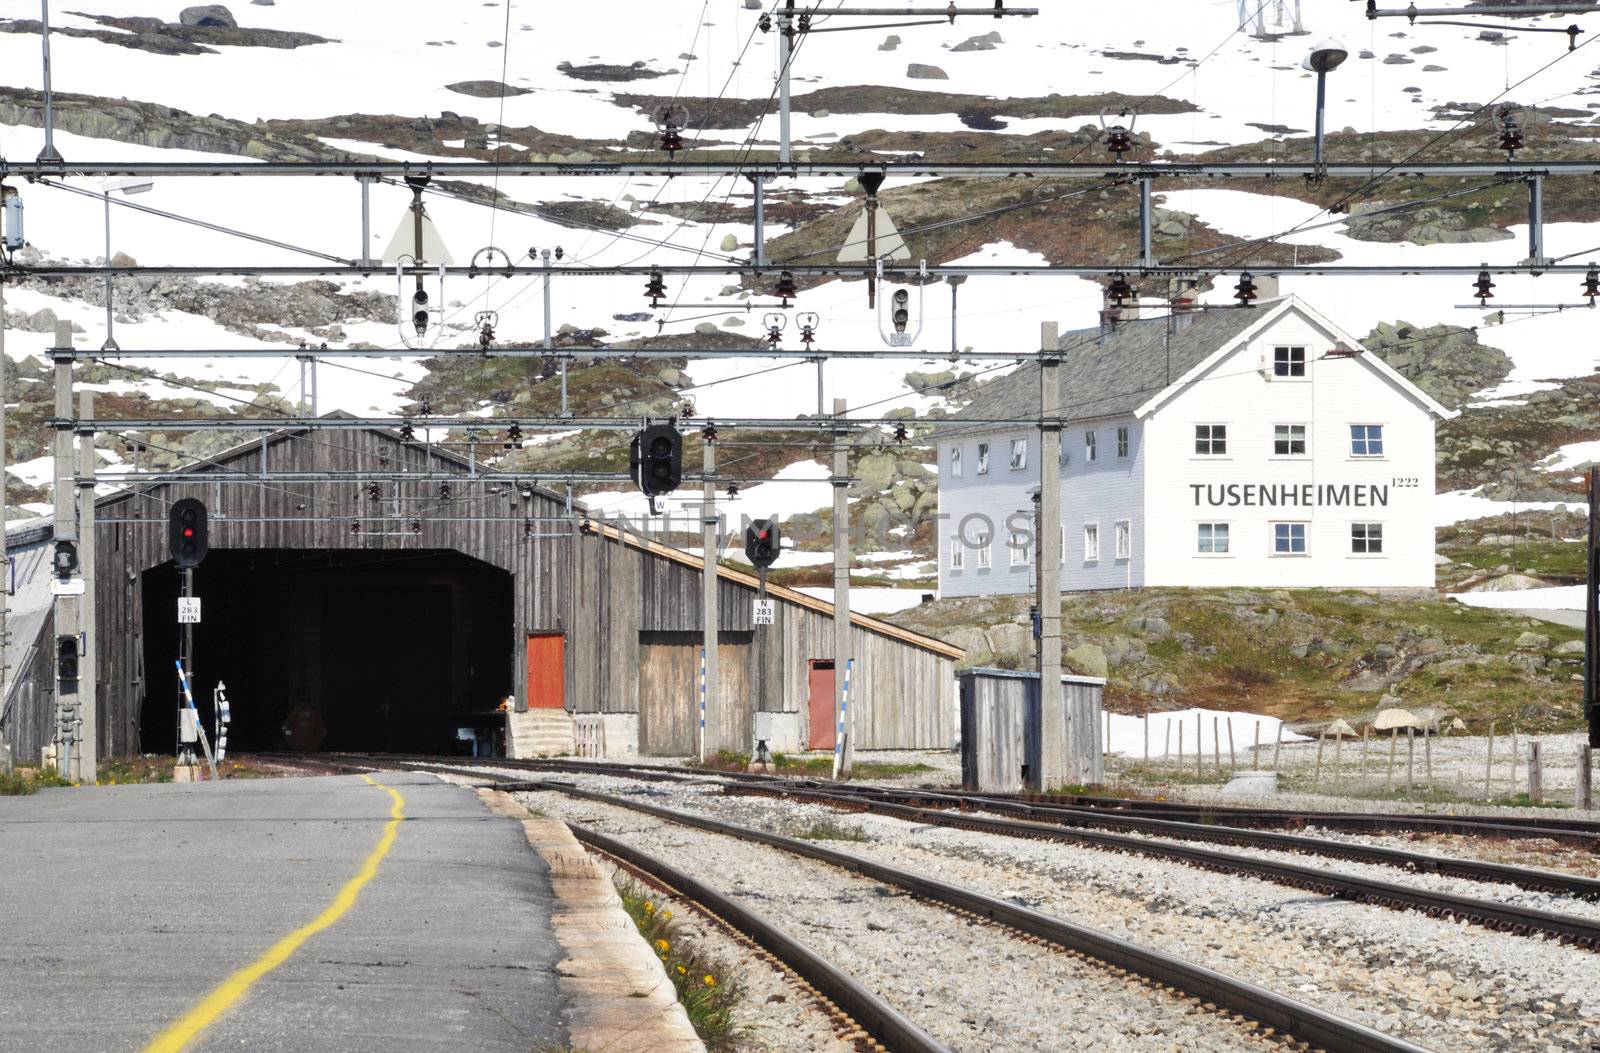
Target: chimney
{"type": "Point", "coordinates": [1184, 307]}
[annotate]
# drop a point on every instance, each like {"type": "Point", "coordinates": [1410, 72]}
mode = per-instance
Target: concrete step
{"type": "Point", "coordinates": [542, 732]}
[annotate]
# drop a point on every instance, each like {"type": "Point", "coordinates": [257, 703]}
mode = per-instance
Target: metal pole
{"type": "Point", "coordinates": [88, 744]}
{"type": "Point", "coordinates": [5, 559]}
{"type": "Point", "coordinates": [366, 220]}
{"type": "Point", "coordinates": [111, 342]}
{"type": "Point", "coordinates": [1535, 219]}
{"type": "Point", "coordinates": [1591, 620]}
{"type": "Point", "coordinates": [709, 538]}
{"type": "Point", "coordinates": [760, 235]}
{"type": "Point", "coordinates": [1147, 256]}
{"type": "Point", "coordinates": [785, 52]}
{"type": "Point", "coordinates": [66, 529]}
{"type": "Point", "coordinates": [1055, 761]}
{"type": "Point", "coordinates": [844, 749]}
{"type": "Point", "coordinates": [49, 153]}
{"type": "Point", "coordinates": [821, 363]}
{"type": "Point", "coordinates": [1322, 105]}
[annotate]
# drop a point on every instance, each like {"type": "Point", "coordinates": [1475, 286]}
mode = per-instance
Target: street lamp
{"type": "Point", "coordinates": [129, 186]}
{"type": "Point", "coordinates": [1324, 59]}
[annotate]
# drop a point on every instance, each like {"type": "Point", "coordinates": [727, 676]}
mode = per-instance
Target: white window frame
{"type": "Point", "coordinates": [1383, 441]}
{"type": "Point", "coordinates": [1227, 538]}
{"type": "Point", "coordinates": [1124, 440]}
{"type": "Point", "coordinates": [1089, 444]}
{"type": "Point", "coordinates": [1211, 440]}
{"type": "Point", "coordinates": [1305, 440]}
{"type": "Point", "coordinates": [985, 547]}
{"type": "Point", "coordinates": [1123, 539]}
{"type": "Point", "coordinates": [1019, 455]}
{"type": "Point", "coordinates": [1289, 362]}
{"type": "Point", "coordinates": [1305, 538]}
{"type": "Point", "coordinates": [1021, 555]}
{"type": "Point", "coordinates": [1091, 542]}
{"type": "Point", "coordinates": [1367, 527]}
{"type": "Point", "coordinates": [1063, 544]}
{"type": "Point", "coordinates": [955, 462]}
{"type": "Point", "coordinates": [983, 458]}
{"type": "Point", "coordinates": [958, 553]}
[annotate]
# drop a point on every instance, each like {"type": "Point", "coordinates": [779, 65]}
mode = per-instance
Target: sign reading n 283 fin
{"type": "Point", "coordinates": [764, 612]}
{"type": "Point", "coordinates": [189, 610]}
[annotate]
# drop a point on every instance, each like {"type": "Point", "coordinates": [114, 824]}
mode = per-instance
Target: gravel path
{"type": "Point", "coordinates": [973, 986]}
{"type": "Point", "coordinates": [1440, 984]}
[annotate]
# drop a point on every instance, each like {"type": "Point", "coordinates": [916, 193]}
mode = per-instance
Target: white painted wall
{"type": "Point", "coordinates": [1241, 392]}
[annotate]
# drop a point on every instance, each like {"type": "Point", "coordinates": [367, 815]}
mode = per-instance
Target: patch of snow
{"type": "Point", "coordinates": [1556, 597]}
{"type": "Point", "coordinates": [1129, 735]}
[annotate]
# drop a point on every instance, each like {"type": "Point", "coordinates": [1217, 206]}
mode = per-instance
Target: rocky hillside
{"type": "Point", "coordinates": [1301, 654]}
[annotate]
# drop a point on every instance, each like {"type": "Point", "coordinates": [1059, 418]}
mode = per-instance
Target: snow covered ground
{"type": "Point", "coordinates": [1157, 736]}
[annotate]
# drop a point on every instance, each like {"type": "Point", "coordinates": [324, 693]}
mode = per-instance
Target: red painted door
{"type": "Point", "coordinates": [546, 671]}
{"type": "Point", "coordinates": [824, 718]}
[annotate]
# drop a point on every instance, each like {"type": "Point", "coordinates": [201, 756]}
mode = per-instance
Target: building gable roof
{"type": "Point", "coordinates": [1142, 363]}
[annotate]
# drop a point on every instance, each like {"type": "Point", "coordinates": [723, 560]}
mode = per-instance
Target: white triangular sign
{"type": "Point", "coordinates": [403, 246]}
{"type": "Point", "coordinates": [891, 246]}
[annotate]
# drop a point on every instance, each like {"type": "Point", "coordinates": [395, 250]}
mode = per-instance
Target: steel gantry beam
{"type": "Point", "coordinates": [819, 425]}
{"type": "Point", "coordinates": [610, 353]}
{"type": "Point", "coordinates": [1103, 170]}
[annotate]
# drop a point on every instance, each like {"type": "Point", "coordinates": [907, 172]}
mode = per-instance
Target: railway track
{"type": "Point", "coordinates": [1276, 1015]}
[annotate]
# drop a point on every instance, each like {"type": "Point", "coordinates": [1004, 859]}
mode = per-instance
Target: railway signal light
{"type": "Point", "coordinates": [1245, 291]}
{"type": "Point", "coordinates": [419, 310]}
{"type": "Point", "coordinates": [655, 288]}
{"type": "Point", "coordinates": [1591, 284]}
{"type": "Point", "coordinates": [656, 459]}
{"type": "Point", "coordinates": [186, 532]}
{"type": "Point", "coordinates": [66, 658]}
{"type": "Point", "coordinates": [65, 560]}
{"type": "Point", "coordinates": [1483, 285]}
{"type": "Point", "coordinates": [900, 310]}
{"type": "Point", "coordinates": [762, 541]}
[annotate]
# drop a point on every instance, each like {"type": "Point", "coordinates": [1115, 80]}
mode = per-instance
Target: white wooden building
{"type": "Point", "coordinates": [1221, 446]}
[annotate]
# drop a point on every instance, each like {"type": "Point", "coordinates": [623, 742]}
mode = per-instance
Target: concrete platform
{"type": "Point", "coordinates": [125, 906]}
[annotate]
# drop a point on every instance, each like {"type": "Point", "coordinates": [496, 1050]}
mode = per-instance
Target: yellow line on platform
{"type": "Point", "coordinates": [188, 1027]}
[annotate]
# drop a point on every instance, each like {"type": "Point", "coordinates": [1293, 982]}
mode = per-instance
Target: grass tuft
{"type": "Point", "coordinates": [708, 988]}
{"type": "Point", "coordinates": [828, 830]}
{"type": "Point", "coordinates": [22, 781]}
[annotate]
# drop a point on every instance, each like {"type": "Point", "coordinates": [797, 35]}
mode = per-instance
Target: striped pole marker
{"type": "Point", "coordinates": [702, 705]}
{"type": "Point", "coordinates": [844, 712]}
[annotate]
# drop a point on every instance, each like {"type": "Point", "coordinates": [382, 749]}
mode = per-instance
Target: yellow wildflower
{"type": "Point", "coordinates": [666, 915]}
{"type": "Point", "coordinates": [682, 970]}
{"type": "Point", "coordinates": [649, 907]}
{"type": "Point", "coordinates": [711, 981]}
{"type": "Point", "coordinates": [661, 945]}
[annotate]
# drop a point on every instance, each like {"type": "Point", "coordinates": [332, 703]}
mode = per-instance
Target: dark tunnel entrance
{"type": "Point", "coordinates": [382, 651]}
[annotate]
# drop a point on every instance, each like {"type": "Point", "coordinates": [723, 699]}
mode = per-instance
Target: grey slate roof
{"type": "Point", "coordinates": [1113, 377]}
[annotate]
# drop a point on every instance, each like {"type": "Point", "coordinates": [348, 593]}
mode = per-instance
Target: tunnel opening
{"type": "Point", "coordinates": [324, 650]}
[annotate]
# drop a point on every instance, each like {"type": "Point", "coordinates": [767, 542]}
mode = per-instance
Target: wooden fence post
{"type": "Point", "coordinates": [1584, 796]}
{"type": "Point", "coordinates": [1277, 745]}
{"type": "Point", "coordinates": [1427, 756]}
{"type": "Point", "coordinates": [1388, 776]}
{"type": "Point", "coordinates": [1535, 773]}
{"type": "Point", "coordinates": [1364, 732]}
{"type": "Point", "coordinates": [1216, 744]}
{"type": "Point", "coordinates": [1316, 773]}
{"type": "Point", "coordinates": [1255, 751]}
{"type": "Point", "coordinates": [1144, 726]}
{"type": "Point", "coordinates": [1232, 763]}
{"type": "Point", "coordinates": [1180, 743]}
{"type": "Point", "coordinates": [1411, 758]}
{"type": "Point", "coordinates": [1199, 749]}
{"type": "Point", "coordinates": [1514, 759]}
{"type": "Point", "coordinates": [1166, 739]}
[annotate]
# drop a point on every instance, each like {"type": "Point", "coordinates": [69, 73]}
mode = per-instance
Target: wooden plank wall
{"type": "Point", "coordinates": [599, 591]}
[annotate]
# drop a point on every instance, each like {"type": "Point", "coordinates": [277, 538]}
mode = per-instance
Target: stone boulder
{"type": "Point", "coordinates": [208, 16]}
{"type": "Point", "coordinates": [1531, 641]}
{"type": "Point", "coordinates": [1087, 659]}
{"type": "Point", "coordinates": [1152, 625]}
{"type": "Point", "coordinates": [918, 71]}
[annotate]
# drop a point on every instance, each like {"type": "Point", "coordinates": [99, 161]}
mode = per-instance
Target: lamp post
{"type": "Point", "coordinates": [1324, 59]}
{"type": "Point", "coordinates": [126, 186]}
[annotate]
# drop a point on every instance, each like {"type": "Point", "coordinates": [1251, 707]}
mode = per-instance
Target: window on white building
{"type": "Point", "coordinates": [1124, 538]}
{"type": "Point", "coordinates": [1210, 440]}
{"type": "Point", "coordinates": [983, 552]}
{"type": "Point", "coordinates": [1366, 539]}
{"type": "Point", "coordinates": [1288, 361]}
{"type": "Point", "coordinates": [983, 458]}
{"type": "Point", "coordinates": [1019, 454]}
{"type": "Point", "coordinates": [958, 553]}
{"type": "Point", "coordinates": [1289, 440]}
{"type": "Point", "coordinates": [1091, 542]}
{"type": "Point", "coordinates": [1288, 539]}
{"type": "Point", "coordinates": [1088, 446]}
{"type": "Point", "coordinates": [1122, 440]}
{"type": "Point", "coordinates": [1021, 551]}
{"type": "Point", "coordinates": [955, 462]}
{"type": "Point", "coordinates": [1213, 539]}
{"type": "Point", "coordinates": [1366, 440]}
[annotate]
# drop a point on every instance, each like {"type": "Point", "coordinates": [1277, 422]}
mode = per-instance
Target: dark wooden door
{"type": "Point", "coordinates": [824, 719]}
{"type": "Point", "coordinates": [547, 677]}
